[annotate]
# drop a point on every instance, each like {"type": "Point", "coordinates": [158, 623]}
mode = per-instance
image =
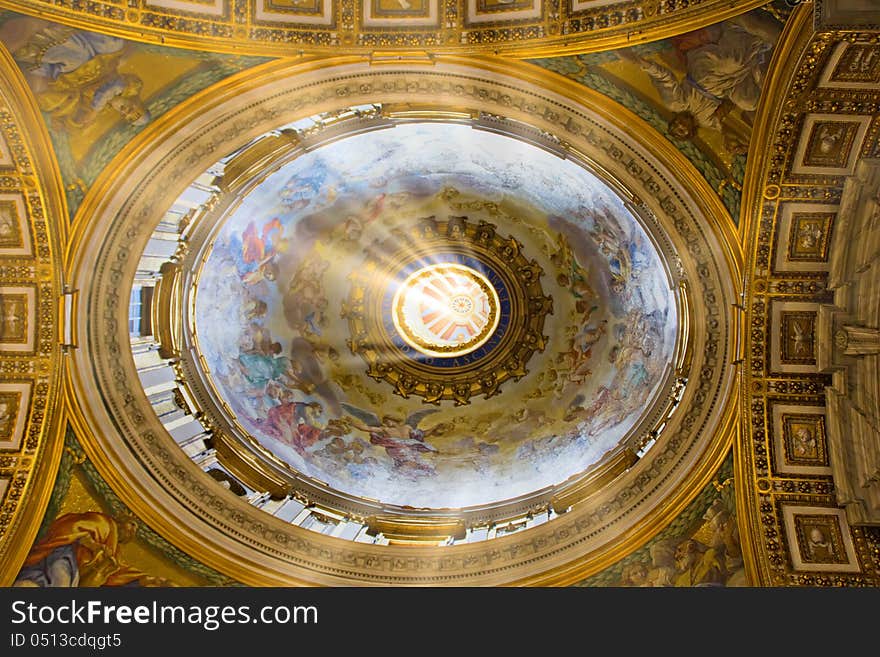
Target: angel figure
{"type": "Point", "coordinates": [403, 440]}
{"type": "Point", "coordinates": [256, 245]}
{"type": "Point", "coordinates": [260, 250]}
{"type": "Point", "coordinates": [74, 74]}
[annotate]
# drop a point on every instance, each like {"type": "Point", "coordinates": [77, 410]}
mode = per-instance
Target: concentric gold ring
{"type": "Point", "coordinates": [446, 309]}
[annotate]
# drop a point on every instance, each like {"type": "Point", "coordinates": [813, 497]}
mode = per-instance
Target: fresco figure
{"type": "Point", "coordinates": [74, 74]}
{"type": "Point", "coordinates": [724, 537]}
{"type": "Point", "coordinates": [284, 421]}
{"type": "Point", "coordinates": [307, 373]}
{"type": "Point", "coordinates": [698, 565]}
{"type": "Point", "coordinates": [302, 189]}
{"type": "Point", "coordinates": [298, 424]}
{"type": "Point", "coordinates": [725, 65]}
{"type": "Point", "coordinates": [259, 368]}
{"type": "Point", "coordinates": [635, 574]}
{"type": "Point", "coordinates": [305, 301]}
{"type": "Point", "coordinates": [662, 571]}
{"type": "Point", "coordinates": [8, 413]}
{"type": "Point", "coordinates": [9, 228]}
{"type": "Point", "coordinates": [403, 441]}
{"type": "Point", "coordinates": [260, 249]}
{"type": "Point", "coordinates": [354, 453]}
{"type": "Point", "coordinates": [82, 549]}
{"type": "Point", "coordinates": [819, 547]}
{"type": "Point", "coordinates": [804, 442]}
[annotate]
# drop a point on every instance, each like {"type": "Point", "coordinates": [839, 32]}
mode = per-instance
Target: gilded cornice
{"type": "Point", "coordinates": [33, 212]}
{"type": "Point", "coordinates": [783, 64]}
{"type": "Point", "coordinates": [786, 57]}
{"type": "Point", "coordinates": [259, 469]}
{"type": "Point", "coordinates": [532, 28]}
{"type": "Point", "coordinates": [796, 173]}
{"type": "Point", "coordinates": [134, 453]}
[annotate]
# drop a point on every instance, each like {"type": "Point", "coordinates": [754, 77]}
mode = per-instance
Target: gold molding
{"type": "Point", "coordinates": [242, 463]}
{"type": "Point", "coordinates": [547, 105]}
{"type": "Point", "coordinates": [482, 375]}
{"type": "Point", "coordinates": [562, 501]}
{"type": "Point", "coordinates": [783, 65]}
{"type": "Point", "coordinates": [769, 494]}
{"type": "Point", "coordinates": [416, 531]}
{"type": "Point", "coordinates": [37, 460]}
{"type": "Point", "coordinates": [564, 32]}
{"type": "Point", "coordinates": [166, 311]}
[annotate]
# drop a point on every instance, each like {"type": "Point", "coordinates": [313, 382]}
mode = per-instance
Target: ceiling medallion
{"type": "Point", "coordinates": [447, 310]}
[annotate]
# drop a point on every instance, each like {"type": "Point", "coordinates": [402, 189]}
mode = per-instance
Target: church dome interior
{"type": "Point", "coordinates": [437, 299]}
{"type": "Point", "coordinates": [420, 294]}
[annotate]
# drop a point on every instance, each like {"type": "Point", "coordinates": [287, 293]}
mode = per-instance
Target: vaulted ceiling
{"type": "Point", "coordinates": [431, 293]}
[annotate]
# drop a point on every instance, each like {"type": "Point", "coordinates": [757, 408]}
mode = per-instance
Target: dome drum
{"type": "Point", "coordinates": [574, 309]}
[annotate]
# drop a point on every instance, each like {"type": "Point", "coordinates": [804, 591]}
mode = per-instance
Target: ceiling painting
{"type": "Point", "coordinates": [700, 89]}
{"type": "Point", "coordinates": [374, 220]}
{"type": "Point", "coordinates": [421, 320]}
{"type": "Point", "coordinates": [89, 538]}
{"type": "Point", "coordinates": [97, 91]}
{"type": "Point", "coordinates": [450, 316]}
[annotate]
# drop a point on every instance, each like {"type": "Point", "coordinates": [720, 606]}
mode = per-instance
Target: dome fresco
{"type": "Point", "coordinates": [119, 220]}
{"type": "Point", "coordinates": [569, 288]}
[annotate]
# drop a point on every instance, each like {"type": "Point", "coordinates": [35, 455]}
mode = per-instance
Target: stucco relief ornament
{"type": "Point", "coordinates": [446, 320]}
